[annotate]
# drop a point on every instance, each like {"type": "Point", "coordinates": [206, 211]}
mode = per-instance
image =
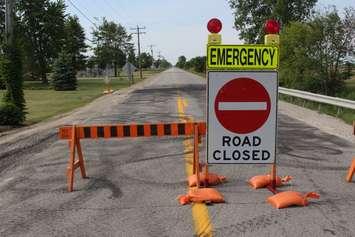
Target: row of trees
{"type": "Point", "coordinates": [197, 64]}
{"type": "Point", "coordinates": [49, 41]}
{"type": "Point", "coordinates": [313, 44]}
{"type": "Point", "coordinates": [42, 31]}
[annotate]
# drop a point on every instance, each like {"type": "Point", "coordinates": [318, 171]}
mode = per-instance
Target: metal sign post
{"type": "Point", "coordinates": [242, 101]}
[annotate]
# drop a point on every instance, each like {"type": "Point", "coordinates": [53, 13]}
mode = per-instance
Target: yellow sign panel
{"type": "Point", "coordinates": [214, 39]}
{"type": "Point", "coordinates": [242, 57]}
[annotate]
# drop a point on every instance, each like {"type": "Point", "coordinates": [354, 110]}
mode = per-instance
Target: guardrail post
{"type": "Point", "coordinates": [339, 111]}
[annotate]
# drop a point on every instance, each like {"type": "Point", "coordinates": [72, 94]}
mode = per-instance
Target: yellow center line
{"type": "Point", "coordinates": [202, 222]}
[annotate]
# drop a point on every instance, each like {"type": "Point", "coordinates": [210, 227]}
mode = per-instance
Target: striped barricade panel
{"type": "Point", "coordinates": [76, 132]}
{"type": "Point", "coordinates": [132, 130]}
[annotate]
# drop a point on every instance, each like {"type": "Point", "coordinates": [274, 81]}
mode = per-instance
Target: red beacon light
{"type": "Point", "coordinates": [214, 26]}
{"type": "Point", "coordinates": [272, 27]}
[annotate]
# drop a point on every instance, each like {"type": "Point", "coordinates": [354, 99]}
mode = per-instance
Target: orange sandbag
{"type": "Point", "coordinates": [201, 195]}
{"type": "Point", "coordinates": [211, 179]}
{"type": "Point", "coordinates": [291, 198]}
{"type": "Point", "coordinates": [261, 181]}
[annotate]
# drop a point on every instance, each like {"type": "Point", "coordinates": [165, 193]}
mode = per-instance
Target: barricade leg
{"type": "Point", "coordinates": [196, 155]}
{"type": "Point", "coordinates": [272, 186]}
{"type": "Point", "coordinates": [199, 195]}
{"type": "Point", "coordinates": [351, 171]}
{"type": "Point", "coordinates": [201, 171]}
{"type": "Point", "coordinates": [81, 159]}
{"type": "Point", "coordinates": [73, 164]}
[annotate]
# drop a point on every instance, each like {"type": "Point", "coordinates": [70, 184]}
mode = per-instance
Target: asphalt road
{"type": "Point", "coordinates": [133, 183]}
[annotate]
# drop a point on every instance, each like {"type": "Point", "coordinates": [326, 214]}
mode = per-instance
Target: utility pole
{"type": "Point", "coordinates": [9, 21]}
{"type": "Point", "coordinates": [138, 33]}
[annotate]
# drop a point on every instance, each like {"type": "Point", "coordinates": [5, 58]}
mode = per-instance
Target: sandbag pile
{"type": "Point", "coordinates": [291, 198]}
{"type": "Point", "coordinates": [209, 179]}
{"type": "Point", "coordinates": [262, 181]}
{"type": "Point", "coordinates": [202, 195]}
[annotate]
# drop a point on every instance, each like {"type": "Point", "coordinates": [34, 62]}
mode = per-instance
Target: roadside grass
{"type": "Point", "coordinates": [347, 115]}
{"type": "Point", "coordinates": [42, 102]}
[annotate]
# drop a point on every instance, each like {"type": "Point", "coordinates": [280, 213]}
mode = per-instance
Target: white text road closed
{"type": "Point", "coordinates": [242, 117]}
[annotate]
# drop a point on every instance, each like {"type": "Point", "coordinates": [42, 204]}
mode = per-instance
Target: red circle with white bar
{"type": "Point", "coordinates": [242, 105]}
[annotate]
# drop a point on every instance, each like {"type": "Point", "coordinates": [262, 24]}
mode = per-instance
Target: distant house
{"type": "Point", "coordinates": [349, 58]}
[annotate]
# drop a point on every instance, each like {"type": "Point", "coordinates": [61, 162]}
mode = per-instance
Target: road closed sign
{"type": "Point", "coordinates": [241, 117]}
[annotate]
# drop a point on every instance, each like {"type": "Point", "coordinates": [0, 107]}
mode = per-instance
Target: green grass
{"type": "Point", "coordinates": [350, 84]}
{"type": "Point", "coordinates": [42, 102]}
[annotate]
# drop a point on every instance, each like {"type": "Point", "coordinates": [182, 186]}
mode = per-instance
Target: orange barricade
{"type": "Point", "coordinates": [76, 132]}
{"type": "Point", "coordinates": [351, 171]}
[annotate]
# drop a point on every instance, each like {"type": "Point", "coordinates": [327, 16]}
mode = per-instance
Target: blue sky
{"type": "Point", "coordinates": [175, 27]}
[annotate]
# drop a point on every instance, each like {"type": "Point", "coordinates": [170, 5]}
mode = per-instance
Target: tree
{"type": "Point", "coordinates": [198, 64]}
{"type": "Point", "coordinates": [111, 44]}
{"type": "Point", "coordinates": [250, 15]}
{"type": "Point", "coordinates": [146, 60]}
{"type": "Point", "coordinates": [131, 56]}
{"type": "Point", "coordinates": [2, 21]}
{"type": "Point", "coordinates": [42, 25]}
{"type": "Point", "coordinates": [74, 41]}
{"type": "Point", "coordinates": [311, 52]}
{"type": "Point", "coordinates": [181, 62]}
{"type": "Point", "coordinates": [64, 74]}
{"type": "Point", "coordinates": [161, 63]}
{"type": "Point", "coordinates": [12, 108]}
{"type": "Point", "coordinates": [165, 64]}
{"type": "Point", "coordinates": [11, 72]}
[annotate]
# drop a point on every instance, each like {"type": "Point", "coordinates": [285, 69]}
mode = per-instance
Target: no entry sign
{"type": "Point", "coordinates": [242, 105]}
{"type": "Point", "coordinates": [241, 117]}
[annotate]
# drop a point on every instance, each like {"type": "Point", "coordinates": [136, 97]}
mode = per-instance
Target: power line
{"type": "Point", "coordinates": [112, 9]}
{"type": "Point", "coordinates": [82, 13]}
{"type": "Point", "coordinates": [115, 11]}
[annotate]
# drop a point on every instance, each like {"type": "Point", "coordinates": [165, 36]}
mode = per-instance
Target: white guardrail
{"type": "Point", "coordinates": [339, 102]}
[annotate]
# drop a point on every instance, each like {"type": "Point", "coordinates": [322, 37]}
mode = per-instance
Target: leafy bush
{"type": "Point", "coordinates": [311, 51]}
{"type": "Point", "coordinates": [10, 114]}
{"type": "Point", "coordinates": [64, 75]}
{"type": "Point", "coordinates": [2, 81]}
{"type": "Point", "coordinates": [2, 84]}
